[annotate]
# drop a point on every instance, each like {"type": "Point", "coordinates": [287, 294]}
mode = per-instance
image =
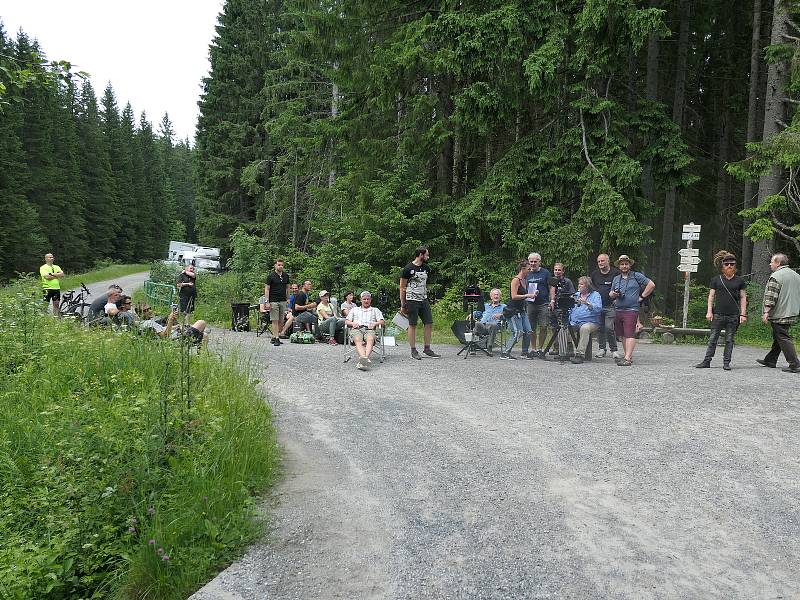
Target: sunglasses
{"type": "Point", "coordinates": [729, 264]}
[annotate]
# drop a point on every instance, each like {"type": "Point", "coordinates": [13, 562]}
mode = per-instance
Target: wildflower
{"type": "Point", "coordinates": [160, 551]}
{"type": "Point", "coordinates": [152, 542]}
{"type": "Point", "coordinates": [165, 557]}
{"type": "Point", "coordinates": [205, 498]}
{"type": "Point", "coordinates": [151, 511]}
{"type": "Point", "coordinates": [131, 529]}
{"type": "Point", "coordinates": [134, 521]}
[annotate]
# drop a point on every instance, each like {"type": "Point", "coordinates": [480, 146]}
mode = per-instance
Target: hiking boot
{"type": "Point", "coordinates": [703, 364]}
{"type": "Point", "coordinates": [764, 363]}
{"type": "Point", "coordinates": [415, 354]}
{"type": "Point", "coordinates": [430, 353]}
{"type": "Point", "coordinates": [726, 366]}
{"type": "Point", "coordinates": [576, 360]}
{"type": "Point", "coordinates": [600, 353]}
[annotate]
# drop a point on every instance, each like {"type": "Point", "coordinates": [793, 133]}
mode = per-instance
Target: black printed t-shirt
{"type": "Point", "coordinates": [727, 303]}
{"type": "Point", "coordinates": [417, 276]}
{"type": "Point", "coordinates": [277, 286]}
{"type": "Point", "coordinates": [602, 283]}
{"type": "Point", "coordinates": [302, 299]}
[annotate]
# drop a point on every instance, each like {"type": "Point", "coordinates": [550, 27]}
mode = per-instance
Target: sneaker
{"type": "Point", "coordinates": [363, 363]}
{"type": "Point", "coordinates": [553, 353]}
{"type": "Point", "coordinates": [415, 354]}
{"type": "Point", "coordinates": [764, 363]}
{"type": "Point", "coordinates": [540, 354]}
{"type": "Point", "coordinates": [790, 369]}
{"type": "Point", "coordinates": [703, 364]}
{"type": "Point", "coordinates": [361, 366]}
{"type": "Point", "coordinates": [332, 342]}
{"type": "Point", "coordinates": [507, 355]}
{"type": "Point", "coordinates": [726, 366]}
{"type": "Point", "coordinates": [616, 355]}
{"type": "Point", "coordinates": [576, 360]}
{"type": "Point", "coordinates": [531, 355]}
{"type": "Point", "coordinates": [431, 354]}
{"type": "Point", "coordinates": [276, 342]}
{"type": "Point", "coordinates": [600, 353]}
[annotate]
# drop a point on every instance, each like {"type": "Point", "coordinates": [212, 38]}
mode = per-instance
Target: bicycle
{"type": "Point", "coordinates": [74, 305]}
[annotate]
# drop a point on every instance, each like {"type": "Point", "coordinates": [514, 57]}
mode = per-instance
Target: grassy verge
{"type": "Point", "coordinates": [116, 481]}
{"type": "Point", "coordinates": [110, 272]}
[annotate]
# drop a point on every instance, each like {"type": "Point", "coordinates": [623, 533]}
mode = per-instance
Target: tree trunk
{"type": "Point", "coordinates": [752, 133]}
{"type": "Point", "coordinates": [651, 91]}
{"type": "Point", "coordinates": [334, 113]}
{"type": "Point", "coordinates": [444, 165]}
{"type": "Point", "coordinates": [774, 114]}
{"type": "Point", "coordinates": [664, 272]}
{"type": "Point", "coordinates": [722, 197]}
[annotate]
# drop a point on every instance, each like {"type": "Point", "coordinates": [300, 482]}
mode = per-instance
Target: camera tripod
{"type": "Point", "coordinates": [562, 333]}
{"type": "Point", "coordinates": [471, 346]}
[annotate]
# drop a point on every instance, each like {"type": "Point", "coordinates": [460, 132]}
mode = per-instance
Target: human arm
{"type": "Point", "coordinates": [403, 286]}
{"type": "Point", "coordinates": [710, 308]}
{"type": "Point", "coordinates": [742, 305]}
{"type": "Point", "coordinates": [167, 331]}
{"type": "Point", "coordinates": [771, 293]}
{"type": "Point", "coordinates": [648, 289]}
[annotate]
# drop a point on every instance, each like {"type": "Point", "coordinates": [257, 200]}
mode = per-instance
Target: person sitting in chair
{"type": "Point", "coordinates": [304, 308]}
{"type": "Point", "coordinates": [585, 316]}
{"type": "Point", "coordinates": [491, 318]}
{"type": "Point", "coordinates": [348, 303]}
{"type": "Point", "coordinates": [328, 321]}
{"type": "Point", "coordinates": [364, 321]}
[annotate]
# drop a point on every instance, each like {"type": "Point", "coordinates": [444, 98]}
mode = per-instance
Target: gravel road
{"type": "Point", "coordinates": [524, 479]}
{"type": "Point", "coordinates": [129, 284]}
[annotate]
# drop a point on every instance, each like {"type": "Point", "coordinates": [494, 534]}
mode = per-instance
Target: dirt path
{"type": "Point", "coordinates": [523, 479]}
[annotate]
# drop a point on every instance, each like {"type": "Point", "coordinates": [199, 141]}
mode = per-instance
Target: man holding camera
{"type": "Point", "coordinates": [559, 284]}
{"type": "Point", "coordinates": [601, 280]}
{"type": "Point", "coordinates": [628, 289]}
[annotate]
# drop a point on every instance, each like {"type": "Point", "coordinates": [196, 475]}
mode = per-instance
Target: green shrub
{"type": "Point", "coordinates": [127, 466]}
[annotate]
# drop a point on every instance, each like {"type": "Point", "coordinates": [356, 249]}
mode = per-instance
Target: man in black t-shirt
{"type": "Point", "coordinates": [601, 280]}
{"type": "Point", "coordinates": [727, 308]}
{"type": "Point", "coordinates": [187, 289]}
{"type": "Point", "coordinates": [276, 292]}
{"type": "Point", "coordinates": [414, 301]}
{"type": "Point", "coordinates": [304, 307]}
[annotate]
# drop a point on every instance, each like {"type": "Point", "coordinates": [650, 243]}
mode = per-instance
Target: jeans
{"type": "Point", "coordinates": [729, 323]}
{"type": "Point", "coordinates": [782, 342]}
{"type": "Point", "coordinates": [331, 325]}
{"type": "Point", "coordinates": [520, 326]}
{"type": "Point", "coordinates": [606, 331]}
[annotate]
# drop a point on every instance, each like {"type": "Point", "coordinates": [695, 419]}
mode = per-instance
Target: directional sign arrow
{"type": "Point", "coordinates": [692, 228]}
{"type": "Point", "coordinates": [690, 260]}
{"type": "Point", "coordinates": [690, 236]}
{"type": "Point", "coordinates": [689, 251]}
{"type": "Point", "coordinates": [688, 268]}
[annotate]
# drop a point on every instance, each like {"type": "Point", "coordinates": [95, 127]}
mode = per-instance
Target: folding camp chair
{"type": "Point", "coordinates": [379, 347]}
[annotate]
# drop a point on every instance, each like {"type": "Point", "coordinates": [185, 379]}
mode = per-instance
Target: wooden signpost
{"type": "Point", "coordinates": [690, 259]}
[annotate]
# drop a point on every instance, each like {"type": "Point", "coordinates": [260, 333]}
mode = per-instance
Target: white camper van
{"type": "Point", "coordinates": [203, 258]}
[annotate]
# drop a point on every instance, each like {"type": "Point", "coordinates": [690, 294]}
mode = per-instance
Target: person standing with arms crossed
{"type": "Point", "coordinates": [414, 301]}
{"type": "Point", "coordinates": [601, 280]}
{"type": "Point", "coordinates": [628, 289]}
{"type": "Point", "coordinates": [51, 286]}
{"type": "Point", "coordinates": [781, 308]}
{"type": "Point", "coordinates": [276, 293]}
{"type": "Point", "coordinates": [727, 308]}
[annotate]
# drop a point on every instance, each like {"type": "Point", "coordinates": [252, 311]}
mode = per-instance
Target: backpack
{"type": "Point", "coordinates": [301, 337]}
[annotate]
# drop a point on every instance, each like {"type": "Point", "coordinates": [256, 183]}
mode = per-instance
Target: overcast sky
{"type": "Point", "coordinates": [154, 53]}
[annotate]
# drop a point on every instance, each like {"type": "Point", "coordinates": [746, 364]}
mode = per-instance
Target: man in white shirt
{"type": "Point", "coordinates": [364, 320]}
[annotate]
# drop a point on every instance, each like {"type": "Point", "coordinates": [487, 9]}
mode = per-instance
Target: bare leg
{"type": "Point", "coordinates": [542, 338]}
{"type": "Point", "coordinates": [412, 336]}
{"type": "Point", "coordinates": [359, 344]}
{"type": "Point", "coordinates": [630, 345]}
{"type": "Point", "coordinates": [427, 332]}
{"type": "Point", "coordinates": [370, 344]}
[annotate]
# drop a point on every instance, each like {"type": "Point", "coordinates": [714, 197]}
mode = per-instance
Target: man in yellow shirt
{"type": "Point", "coordinates": [51, 286]}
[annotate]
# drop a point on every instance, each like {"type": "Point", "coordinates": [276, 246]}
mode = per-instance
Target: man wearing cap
{"type": "Point", "coordinates": [328, 321]}
{"type": "Point", "coordinates": [628, 290]}
{"type": "Point", "coordinates": [781, 309]}
{"type": "Point", "coordinates": [51, 286]}
{"type": "Point", "coordinates": [364, 321]}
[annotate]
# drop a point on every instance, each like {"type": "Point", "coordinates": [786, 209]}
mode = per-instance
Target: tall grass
{"type": "Point", "coordinates": [128, 466]}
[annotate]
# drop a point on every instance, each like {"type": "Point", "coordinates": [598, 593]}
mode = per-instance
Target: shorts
{"type": "Point", "coordinates": [50, 293]}
{"type": "Point", "coordinates": [538, 314]}
{"type": "Point", "coordinates": [419, 308]}
{"type": "Point", "coordinates": [277, 311]}
{"type": "Point", "coordinates": [361, 333]}
{"type": "Point", "coordinates": [625, 323]}
{"type": "Point", "coordinates": [186, 303]}
{"type": "Point", "coordinates": [195, 335]}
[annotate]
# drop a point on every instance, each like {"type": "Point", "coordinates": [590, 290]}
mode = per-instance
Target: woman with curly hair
{"type": "Point", "coordinates": [727, 307]}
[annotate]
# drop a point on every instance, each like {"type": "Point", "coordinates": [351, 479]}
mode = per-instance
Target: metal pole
{"type": "Point", "coordinates": [688, 278]}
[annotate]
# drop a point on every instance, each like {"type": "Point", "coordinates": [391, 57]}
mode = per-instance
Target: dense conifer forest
{"type": "Point", "coordinates": [347, 131]}
{"type": "Point", "coordinates": [78, 176]}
